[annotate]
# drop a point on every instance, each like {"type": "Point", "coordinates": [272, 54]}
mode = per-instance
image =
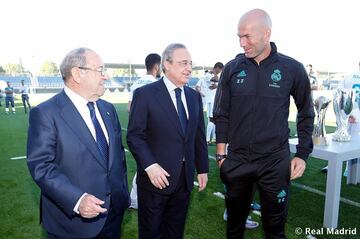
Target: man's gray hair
{"type": "Point", "coordinates": [168, 53]}
{"type": "Point", "coordinates": [74, 58]}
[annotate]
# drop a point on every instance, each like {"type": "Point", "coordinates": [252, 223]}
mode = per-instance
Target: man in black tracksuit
{"type": "Point", "coordinates": [251, 115]}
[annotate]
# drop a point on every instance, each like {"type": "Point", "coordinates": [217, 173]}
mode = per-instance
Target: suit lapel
{"type": "Point", "coordinates": [106, 115]}
{"type": "Point", "coordinates": [164, 99]}
{"type": "Point", "coordinates": [74, 120]}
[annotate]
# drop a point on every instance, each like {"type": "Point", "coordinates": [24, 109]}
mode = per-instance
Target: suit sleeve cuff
{"type": "Point", "coordinates": [149, 167]}
{"type": "Point", "coordinates": [76, 208]}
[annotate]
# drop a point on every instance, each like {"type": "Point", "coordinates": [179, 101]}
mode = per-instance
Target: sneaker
{"type": "Point", "coordinates": [324, 169]}
{"type": "Point", "coordinates": [255, 206]}
{"type": "Point", "coordinates": [133, 206]}
{"type": "Point", "coordinates": [250, 224]}
{"type": "Point", "coordinates": [225, 215]}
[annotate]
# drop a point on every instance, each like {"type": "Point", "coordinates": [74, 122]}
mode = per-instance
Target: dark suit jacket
{"type": "Point", "coordinates": [155, 135]}
{"type": "Point", "coordinates": [65, 162]}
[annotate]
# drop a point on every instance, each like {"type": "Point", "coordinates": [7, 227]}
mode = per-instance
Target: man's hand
{"type": "Point", "coordinates": [89, 206]}
{"type": "Point", "coordinates": [352, 119]}
{"type": "Point", "coordinates": [157, 176]}
{"type": "Point", "coordinates": [297, 168]}
{"type": "Point", "coordinates": [202, 179]}
{"type": "Point", "coordinates": [219, 163]}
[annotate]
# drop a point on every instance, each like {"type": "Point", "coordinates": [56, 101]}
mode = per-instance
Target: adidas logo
{"type": "Point", "coordinates": [281, 196]}
{"type": "Point", "coordinates": [241, 74]}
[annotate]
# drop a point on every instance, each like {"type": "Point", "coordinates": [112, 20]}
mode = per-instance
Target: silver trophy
{"type": "Point", "coordinates": [343, 105]}
{"type": "Point", "coordinates": [319, 135]}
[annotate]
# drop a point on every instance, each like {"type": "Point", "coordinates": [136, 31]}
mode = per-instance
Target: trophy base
{"type": "Point", "coordinates": [317, 140]}
{"type": "Point", "coordinates": [341, 136]}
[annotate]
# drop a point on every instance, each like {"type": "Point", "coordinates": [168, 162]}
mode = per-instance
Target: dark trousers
{"type": "Point", "coordinates": [163, 216]}
{"type": "Point", "coordinates": [9, 101]}
{"type": "Point", "coordinates": [271, 175]}
{"type": "Point", "coordinates": [26, 103]}
{"type": "Point", "coordinates": [111, 229]}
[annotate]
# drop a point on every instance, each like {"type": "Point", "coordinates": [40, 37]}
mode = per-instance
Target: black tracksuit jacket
{"type": "Point", "coordinates": [252, 105]}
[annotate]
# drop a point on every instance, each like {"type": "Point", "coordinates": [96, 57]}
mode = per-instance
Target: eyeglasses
{"type": "Point", "coordinates": [101, 70]}
{"type": "Point", "coordinates": [184, 63]}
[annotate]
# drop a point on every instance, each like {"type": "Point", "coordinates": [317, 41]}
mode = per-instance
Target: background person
{"type": "Point", "coordinates": [1, 97]}
{"type": "Point", "coordinates": [207, 88]}
{"type": "Point", "coordinates": [9, 98]}
{"type": "Point", "coordinates": [314, 84]}
{"type": "Point", "coordinates": [24, 90]}
{"type": "Point", "coordinates": [152, 63]}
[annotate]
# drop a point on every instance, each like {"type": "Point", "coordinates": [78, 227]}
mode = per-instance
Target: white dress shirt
{"type": "Point", "coordinates": [24, 90]}
{"type": "Point", "coordinates": [171, 88]}
{"type": "Point", "coordinates": [81, 105]}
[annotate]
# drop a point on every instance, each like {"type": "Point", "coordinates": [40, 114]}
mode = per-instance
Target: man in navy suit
{"type": "Point", "coordinates": [75, 154]}
{"type": "Point", "coordinates": [167, 138]}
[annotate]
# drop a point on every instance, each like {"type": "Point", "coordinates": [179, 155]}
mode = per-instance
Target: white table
{"type": "Point", "coordinates": [336, 153]}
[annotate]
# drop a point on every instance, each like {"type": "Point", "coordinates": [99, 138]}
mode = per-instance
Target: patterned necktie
{"type": "Point", "coordinates": [181, 110]}
{"type": "Point", "coordinates": [100, 137]}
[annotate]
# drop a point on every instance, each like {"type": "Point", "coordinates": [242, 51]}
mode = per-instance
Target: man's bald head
{"type": "Point", "coordinates": [258, 17]}
{"type": "Point", "coordinates": [254, 31]}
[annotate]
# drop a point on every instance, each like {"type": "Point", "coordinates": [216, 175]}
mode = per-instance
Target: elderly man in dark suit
{"type": "Point", "coordinates": [167, 138]}
{"type": "Point", "coordinates": [75, 154]}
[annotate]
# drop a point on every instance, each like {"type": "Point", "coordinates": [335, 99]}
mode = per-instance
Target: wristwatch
{"type": "Point", "coordinates": [220, 157]}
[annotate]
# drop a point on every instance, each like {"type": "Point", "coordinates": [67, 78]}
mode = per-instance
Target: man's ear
{"type": "Point", "coordinates": [166, 65]}
{"type": "Point", "coordinates": [75, 72]}
{"type": "Point", "coordinates": [157, 67]}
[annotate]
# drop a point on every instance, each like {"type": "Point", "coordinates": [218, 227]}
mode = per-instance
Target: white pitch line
{"type": "Point", "coordinates": [17, 158]}
{"type": "Point", "coordinates": [321, 193]}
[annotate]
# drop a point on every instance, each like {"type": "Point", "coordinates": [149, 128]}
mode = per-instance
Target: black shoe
{"type": "Point", "coordinates": [324, 169]}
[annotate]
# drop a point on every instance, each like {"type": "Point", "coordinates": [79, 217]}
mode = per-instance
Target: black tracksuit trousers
{"type": "Point", "coordinates": [271, 175]}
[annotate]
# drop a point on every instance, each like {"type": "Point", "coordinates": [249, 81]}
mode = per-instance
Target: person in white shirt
{"type": "Point", "coordinates": [24, 90]}
{"type": "Point", "coordinates": [152, 63]}
{"type": "Point", "coordinates": [207, 88]}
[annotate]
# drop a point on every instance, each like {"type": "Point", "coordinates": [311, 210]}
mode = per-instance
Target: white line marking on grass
{"type": "Point", "coordinates": [256, 212]}
{"type": "Point", "coordinates": [17, 158]}
{"type": "Point", "coordinates": [301, 186]}
{"type": "Point", "coordinates": [321, 193]}
{"type": "Point", "coordinates": [219, 194]}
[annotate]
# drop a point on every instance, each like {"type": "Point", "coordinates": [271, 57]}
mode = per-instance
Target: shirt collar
{"type": "Point", "coordinates": [170, 86]}
{"type": "Point", "coordinates": [77, 100]}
